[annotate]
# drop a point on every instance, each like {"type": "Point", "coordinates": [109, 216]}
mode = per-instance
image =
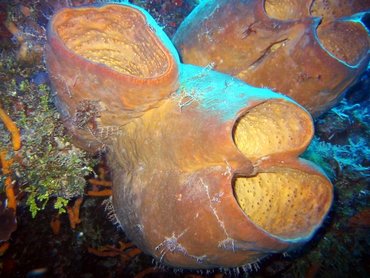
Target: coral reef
{"type": "Point", "coordinates": [340, 249]}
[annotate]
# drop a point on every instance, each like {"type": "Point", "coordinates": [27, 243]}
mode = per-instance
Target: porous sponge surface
{"type": "Point", "coordinates": [286, 203]}
{"type": "Point", "coordinates": [115, 36]}
{"type": "Point", "coordinates": [272, 127]}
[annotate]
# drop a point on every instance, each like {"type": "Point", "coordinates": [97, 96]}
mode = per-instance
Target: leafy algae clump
{"type": "Point", "coordinates": [47, 165]}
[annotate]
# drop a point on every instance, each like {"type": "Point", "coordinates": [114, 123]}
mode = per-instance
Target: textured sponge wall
{"type": "Point", "coordinates": [112, 40]}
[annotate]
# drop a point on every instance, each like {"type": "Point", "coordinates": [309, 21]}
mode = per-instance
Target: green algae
{"type": "Point", "coordinates": [47, 167]}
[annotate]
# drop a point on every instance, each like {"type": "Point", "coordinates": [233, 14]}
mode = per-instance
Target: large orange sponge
{"type": "Point", "coordinates": [205, 168]}
{"type": "Point", "coordinates": [312, 51]}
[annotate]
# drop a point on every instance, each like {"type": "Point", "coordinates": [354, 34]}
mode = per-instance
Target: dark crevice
{"type": "Point", "coordinates": [270, 49]}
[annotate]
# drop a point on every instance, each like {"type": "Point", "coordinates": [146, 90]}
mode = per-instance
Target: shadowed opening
{"type": "Point", "coordinates": [116, 36]}
{"type": "Point", "coordinates": [286, 203]}
{"type": "Point", "coordinates": [273, 127]}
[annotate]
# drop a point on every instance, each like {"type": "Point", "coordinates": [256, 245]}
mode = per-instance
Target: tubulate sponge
{"type": "Point", "coordinates": [312, 51]}
{"type": "Point", "coordinates": [205, 168]}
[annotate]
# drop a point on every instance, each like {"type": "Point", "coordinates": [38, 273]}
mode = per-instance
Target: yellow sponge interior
{"type": "Point", "coordinates": [273, 127]}
{"type": "Point", "coordinates": [116, 36]}
{"type": "Point", "coordinates": [286, 203]}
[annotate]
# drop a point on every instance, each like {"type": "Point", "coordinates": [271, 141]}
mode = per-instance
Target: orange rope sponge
{"type": "Point", "coordinates": [95, 188]}
{"type": "Point", "coordinates": [74, 213]}
{"type": "Point", "coordinates": [126, 251]}
{"type": "Point", "coordinates": [9, 190]}
{"type": "Point", "coordinates": [101, 193]}
{"type": "Point", "coordinates": [11, 126]}
{"type": "Point", "coordinates": [6, 163]}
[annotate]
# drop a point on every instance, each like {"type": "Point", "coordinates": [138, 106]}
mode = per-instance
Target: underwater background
{"type": "Point", "coordinates": [63, 227]}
